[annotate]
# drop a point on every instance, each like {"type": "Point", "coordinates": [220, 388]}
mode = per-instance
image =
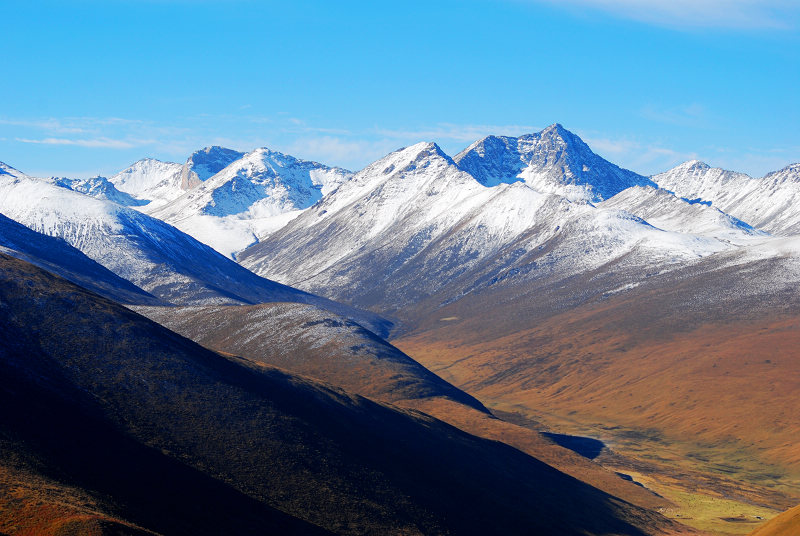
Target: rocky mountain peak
{"type": "Point", "coordinates": [554, 160]}
{"type": "Point", "coordinates": [205, 163]}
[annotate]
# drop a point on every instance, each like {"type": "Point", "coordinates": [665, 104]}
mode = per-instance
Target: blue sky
{"type": "Point", "coordinates": [88, 87]}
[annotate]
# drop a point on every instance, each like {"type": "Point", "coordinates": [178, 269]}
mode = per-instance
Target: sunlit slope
{"type": "Point", "coordinates": [786, 524]}
{"type": "Point", "coordinates": [704, 357]}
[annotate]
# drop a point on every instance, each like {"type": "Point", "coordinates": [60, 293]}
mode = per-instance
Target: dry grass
{"type": "Point", "coordinates": [708, 407]}
{"type": "Point", "coordinates": [786, 524]}
{"type": "Point", "coordinates": [33, 505]}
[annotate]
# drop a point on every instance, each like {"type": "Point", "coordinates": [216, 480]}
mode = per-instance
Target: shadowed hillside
{"type": "Point", "coordinates": [57, 256]}
{"type": "Point", "coordinates": [310, 341]}
{"type": "Point", "coordinates": [168, 436]}
{"type": "Point", "coordinates": [318, 344]}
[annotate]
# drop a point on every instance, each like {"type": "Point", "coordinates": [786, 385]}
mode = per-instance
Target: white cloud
{"type": "Point", "coordinates": [106, 143]}
{"type": "Point", "coordinates": [734, 14]}
{"type": "Point", "coordinates": [691, 115]}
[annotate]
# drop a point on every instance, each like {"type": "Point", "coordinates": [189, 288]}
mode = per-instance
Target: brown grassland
{"type": "Point", "coordinates": [702, 412]}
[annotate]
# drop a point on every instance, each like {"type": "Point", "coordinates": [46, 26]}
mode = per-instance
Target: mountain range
{"type": "Point", "coordinates": [525, 285]}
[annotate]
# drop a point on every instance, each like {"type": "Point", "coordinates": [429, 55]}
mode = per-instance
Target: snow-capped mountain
{"type": "Point", "coordinates": [554, 161]}
{"type": "Point", "coordinates": [149, 253]}
{"type": "Point", "coordinates": [154, 183]}
{"type": "Point", "coordinates": [150, 180]}
{"type": "Point", "coordinates": [413, 224]}
{"type": "Point", "coordinates": [771, 203]}
{"type": "Point", "coordinates": [251, 197]}
{"type": "Point", "coordinates": [224, 198]}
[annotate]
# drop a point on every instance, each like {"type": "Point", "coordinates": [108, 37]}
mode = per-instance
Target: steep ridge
{"type": "Point", "coordinates": [250, 198]}
{"type": "Point", "coordinates": [56, 256]}
{"type": "Point", "coordinates": [412, 227]}
{"type": "Point", "coordinates": [5, 169]}
{"type": "Point", "coordinates": [317, 344]}
{"type": "Point", "coordinates": [267, 449]}
{"type": "Point", "coordinates": [786, 524]}
{"type": "Point", "coordinates": [149, 253]}
{"type": "Point", "coordinates": [769, 203]}
{"type": "Point", "coordinates": [553, 161]}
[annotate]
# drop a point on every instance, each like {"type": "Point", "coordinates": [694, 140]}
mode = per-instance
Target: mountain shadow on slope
{"type": "Point", "coordinates": [307, 340]}
{"type": "Point", "coordinates": [237, 428]}
{"type": "Point", "coordinates": [57, 256]}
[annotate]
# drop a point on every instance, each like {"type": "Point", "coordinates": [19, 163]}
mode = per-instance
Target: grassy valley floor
{"type": "Point", "coordinates": [704, 416]}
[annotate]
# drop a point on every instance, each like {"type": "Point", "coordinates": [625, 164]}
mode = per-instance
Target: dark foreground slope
{"type": "Point", "coordinates": [158, 433]}
{"type": "Point", "coordinates": [316, 343]}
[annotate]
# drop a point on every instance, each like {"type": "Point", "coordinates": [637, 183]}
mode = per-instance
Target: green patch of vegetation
{"type": "Point", "coordinates": [709, 513]}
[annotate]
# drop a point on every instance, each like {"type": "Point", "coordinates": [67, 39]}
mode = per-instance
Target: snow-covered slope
{"type": "Point", "coordinates": [56, 256]}
{"type": "Point", "coordinates": [554, 160]}
{"type": "Point", "coordinates": [150, 180]}
{"type": "Point", "coordinates": [146, 251]}
{"type": "Point", "coordinates": [250, 198]}
{"type": "Point", "coordinates": [413, 224]}
{"type": "Point", "coordinates": [667, 211]}
{"type": "Point", "coordinates": [771, 203]}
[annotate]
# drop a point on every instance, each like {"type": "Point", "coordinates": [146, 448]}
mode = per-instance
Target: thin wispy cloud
{"type": "Point", "coordinates": [731, 14]}
{"type": "Point", "coordinates": [690, 115]}
{"type": "Point", "coordinates": [645, 157]}
{"type": "Point", "coordinates": [105, 143]}
{"type": "Point", "coordinates": [455, 132]}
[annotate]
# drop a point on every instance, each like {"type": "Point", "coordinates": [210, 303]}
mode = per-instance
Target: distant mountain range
{"type": "Point", "coordinates": [145, 252]}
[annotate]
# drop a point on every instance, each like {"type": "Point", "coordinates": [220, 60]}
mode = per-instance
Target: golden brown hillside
{"type": "Point", "coordinates": [786, 524]}
{"type": "Point", "coordinates": [699, 406]}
